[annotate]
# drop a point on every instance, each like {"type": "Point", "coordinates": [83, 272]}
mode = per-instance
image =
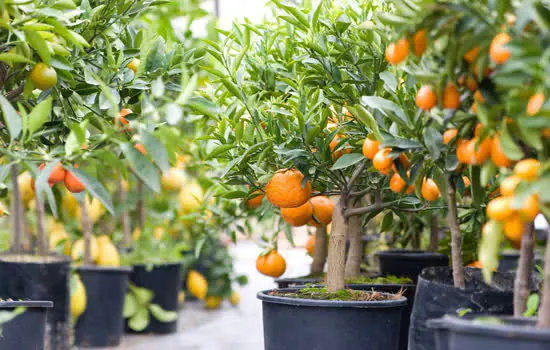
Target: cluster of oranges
{"type": "Point", "coordinates": [384, 163]}
{"type": "Point", "coordinates": [501, 209]}
{"type": "Point", "coordinates": [59, 174]}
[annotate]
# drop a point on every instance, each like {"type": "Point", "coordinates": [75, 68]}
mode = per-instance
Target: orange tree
{"type": "Point", "coordinates": [494, 50]}
{"type": "Point", "coordinates": [288, 88]}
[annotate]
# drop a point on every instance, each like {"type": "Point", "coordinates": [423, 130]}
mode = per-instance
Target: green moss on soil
{"type": "Point", "coordinates": [317, 293]}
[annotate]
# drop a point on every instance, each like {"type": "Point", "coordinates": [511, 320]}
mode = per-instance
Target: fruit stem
{"type": "Point", "coordinates": [525, 269]}
{"type": "Point", "coordinates": [17, 211]}
{"type": "Point", "coordinates": [40, 230]}
{"type": "Point", "coordinates": [456, 237]}
{"type": "Point", "coordinates": [124, 216]}
{"type": "Point", "coordinates": [355, 253]}
{"type": "Point", "coordinates": [86, 231]}
{"type": "Point", "coordinates": [544, 312]}
{"type": "Point", "coordinates": [337, 247]}
{"type": "Point", "coordinates": [141, 204]}
{"type": "Point", "coordinates": [320, 252]}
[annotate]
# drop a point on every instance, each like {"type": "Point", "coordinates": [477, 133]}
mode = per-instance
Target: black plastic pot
{"type": "Point", "coordinates": [25, 331]}
{"type": "Point", "coordinates": [441, 333]}
{"type": "Point", "coordinates": [409, 291]}
{"type": "Point", "coordinates": [35, 278]}
{"type": "Point", "coordinates": [408, 263]}
{"type": "Point", "coordinates": [436, 296]}
{"type": "Point", "coordinates": [297, 281]}
{"type": "Point", "coordinates": [101, 324]}
{"type": "Point", "coordinates": [508, 334]}
{"type": "Point", "coordinates": [304, 324]}
{"type": "Point", "coordinates": [509, 260]}
{"type": "Point", "coordinates": [165, 282]}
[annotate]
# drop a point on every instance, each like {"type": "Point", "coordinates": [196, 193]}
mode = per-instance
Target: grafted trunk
{"type": "Point", "coordinates": [125, 216]}
{"type": "Point", "coordinates": [337, 248]}
{"type": "Point", "coordinates": [17, 212]}
{"type": "Point", "coordinates": [141, 204]}
{"type": "Point", "coordinates": [523, 274]}
{"type": "Point", "coordinates": [87, 232]}
{"type": "Point", "coordinates": [40, 230]}
{"type": "Point", "coordinates": [434, 233]}
{"type": "Point", "coordinates": [355, 253]}
{"type": "Point", "coordinates": [544, 312]}
{"type": "Point", "coordinates": [456, 237]}
{"type": "Point", "coordinates": [321, 251]}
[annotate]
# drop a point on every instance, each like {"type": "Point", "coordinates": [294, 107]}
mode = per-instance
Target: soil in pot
{"type": "Point", "coordinates": [408, 263]}
{"type": "Point", "coordinates": [310, 318]}
{"type": "Point", "coordinates": [101, 324]}
{"type": "Point", "coordinates": [26, 330]}
{"type": "Point", "coordinates": [30, 277]}
{"type": "Point", "coordinates": [437, 296]}
{"type": "Point", "coordinates": [492, 332]}
{"type": "Point", "coordinates": [165, 282]}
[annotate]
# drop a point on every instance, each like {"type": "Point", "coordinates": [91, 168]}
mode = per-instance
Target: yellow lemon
{"type": "Point", "coordinates": [197, 284]}
{"type": "Point", "coordinates": [25, 186]}
{"type": "Point", "coordinates": [173, 180]}
{"type": "Point", "coordinates": [213, 302]}
{"type": "Point", "coordinates": [108, 253]}
{"type": "Point", "coordinates": [78, 299]}
{"type": "Point", "coordinates": [95, 209]}
{"type": "Point", "coordinates": [77, 252]}
{"type": "Point", "coordinates": [70, 204]}
{"type": "Point", "coordinates": [158, 232]}
{"type": "Point", "coordinates": [235, 298]}
{"type": "Point", "coordinates": [56, 237]}
{"type": "Point", "coordinates": [190, 197]}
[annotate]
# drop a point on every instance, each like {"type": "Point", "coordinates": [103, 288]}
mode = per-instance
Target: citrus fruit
{"type": "Point", "coordinates": [498, 156]}
{"type": "Point", "coordinates": [107, 252]}
{"type": "Point", "coordinates": [472, 54]}
{"type": "Point", "coordinates": [72, 183]}
{"type": "Point", "coordinates": [24, 180]}
{"type": "Point", "coordinates": [285, 189]}
{"type": "Point", "coordinates": [173, 179]}
{"type": "Point", "coordinates": [397, 52]}
{"type": "Point", "coordinates": [530, 208]}
{"type": "Point", "coordinates": [190, 196]}
{"type": "Point", "coordinates": [451, 97]}
{"type": "Point", "coordinates": [527, 169]}
{"type": "Point", "coordinates": [122, 115]}
{"type": "Point", "coordinates": [78, 298]}
{"type": "Point", "coordinates": [235, 298]}
{"type": "Point", "coordinates": [57, 174]}
{"type": "Point", "coordinates": [498, 51]}
{"type": "Point", "coordinates": [500, 208]}
{"type": "Point", "coordinates": [140, 148]}
{"type": "Point", "coordinates": [535, 103]}
{"type": "Point", "coordinates": [426, 99]}
{"type": "Point", "coordinates": [508, 186]}
{"type": "Point", "coordinates": [134, 65]}
{"type": "Point", "coordinates": [449, 135]}
{"type": "Point", "coordinates": [272, 264]}
{"type": "Point", "coordinates": [213, 302]}
{"type": "Point", "coordinates": [370, 148]}
{"type": "Point", "coordinates": [298, 216]}
{"type": "Point", "coordinates": [333, 144]}
{"type": "Point", "coordinates": [322, 211]}
{"type": "Point", "coordinates": [43, 77]}
{"type": "Point", "coordinates": [461, 151]}
{"type": "Point", "coordinates": [420, 43]}
{"type": "Point", "coordinates": [479, 153]}
{"type": "Point", "coordinates": [476, 264]}
{"type": "Point", "coordinates": [397, 184]}
{"type": "Point", "coordinates": [381, 161]}
{"type": "Point", "coordinates": [256, 199]}
{"type": "Point", "coordinates": [310, 245]}
{"type": "Point", "coordinates": [77, 251]}
{"type": "Point", "coordinates": [197, 285]}
{"type": "Point", "coordinates": [429, 190]}
{"type": "Point", "coordinates": [513, 228]}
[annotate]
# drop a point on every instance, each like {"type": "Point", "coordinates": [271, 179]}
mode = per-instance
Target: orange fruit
{"type": "Point", "coordinates": [43, 77]}
{"type": "Point", "coordinates": [498, 51]}
{"type": "Point", "coordinates": [466, 181]}
{"type": "Point", "coordinates": [451, 97]}
{"type": "Point", "coordinates": [449, 135]}
{"type": "Point", "coordinates": [122, 114]}
{"type": "Point", "coordinates": [535, 103]}
{"type": "Point", "coordinates": [508, 186]}
{"type": "Point", "coordinates": [397, 184]}
{"type": "Point", "coordinates": [298, 216]}
{"type": "Point", "coordinates": [57, 175]}
{"type": "Point", "coordinates": [256, 199]}
{"type": "Point", "coordinates": [333, 144]}
{"type": "Point", "coordinates": [527, 169]}
{"type": "Point", "coordinates": [476, 264]}
{"type": "Point", "coordinates": [322, 211]}
{"type": "Point", "coordinates": [382, 162]}
{"type": "Point", "coordinates": [500, 208]}
{"type": "Point", "coordinates": [478, 153]}
{"type": "Point", "coordinates": [285, 189]}
{"type": "Point", "coordinates": [134, 65]}
{"type": "Point", "coordinates": [462, 151]}
{"type": "Point", "coordinates": [469, 81]}
{"type": "Point", "coordinates": [397, 52]}
{"type": "Point", "coordinates": [426, 99]}
{"type": "Point", "coordinates": [310, 245]}
{"type": "Point", "coordinates": [477, 130]}
{"type": "Point", "coordinates": [478, 98]}
{"type": "Point", "coordinates": [513, 228]}
{"type": "Point", "coordinates": [370, 148]}
{"type": "Point", "coordinates": [140, 148]}
{"type": "Point", "coordinates": [472, 54]}
{"type": "Point", "coordinates": [429, 190]}
{"type": "Point", "coordinates": [530, 208]}
{"type": "Point", "coordinates": [404, 161]}
{"type": "Point", "coordinates": [272, 264]}
{"type": "Point", "coordinates": [498, 156]}
{"type": "Point", "coordinates": [72, 183]}
{"type": "Point", "coordinates": [420, 43]}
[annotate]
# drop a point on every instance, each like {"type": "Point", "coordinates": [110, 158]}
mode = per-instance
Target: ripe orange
{"type": "Point", "coordinates": [122, 114]}
{"type": "Point", "coordinates": [140, 148]}
{"type": "Point", "coordinates": [404, 161]}
{"type": "Point", "coordinates": [471, 55]}
{"type": "Point", "coordinates": [469, 81]}
{"type": "Point", "coordinates": [310, 245]}
{"type": "Point", "coordinates": [508, 186]}
{"type": "Point", "coordinates": [462, 151]}
{"type": "Point", "coordinates": [370, 148]}
{"type": "Point", "coordinates": [57, 175]}
{"type": "Point", "coordinates": [420, 43]}
{"type": "Point", "coordinates": [397, 52]}
{"type": "Point", "coordinates": [466, 181]}
{"type": "Point", "coordinates": [451, 97]}
{"type": "Point", "coordinates": [478, 98]}
{"type": "Point", "coordinates": [134, 65]}
{"type": "Point", "coordinates": [449, 135]}
{"type": "Point", "coordinates": [477, 130]}
{"type": "Point", "coordinates": [527, 169]}
{"type": "Point", "coordinates": [333, 144]}
{"type": "Point", "coordinates": [535, 103]}
{"type": "Point", "coordinates": [256, 199]}
{"type": "Point", "coordinates": [429, 191]}
{"type": "Point", "coordinates": [476, 264]}
{"type": "Point", "coordinates": [43, 77]}
{"type": "Point", "coordinates": [498, 51]}
{"type": "Point", "coordinates": [397, 184]}
{"type": "Point", "coordinates": [285, 189]}
{"type": "Point", "coordinates": [426, 99]}
{"type": "Point", "coordinates": [322, 210]}
{"type": "Point", "coordinates": [72, 183]}
{"type": "Point", "coordinates": [500, 208]}
{"type": "Point", "coordinates": [530, 208]}
{"type": "Point", "coordinates": [513, 228]}
{"type": "Point", "coordinates": [382, 162]}
{"type": "Point", "coordinates": [272, 264]}
{"type": "Point", "coordinates": [478, 153]}
{"type": "Point", "coordinates": [498, 156]}
{"type": "Point", "coordinates": [298, 216]}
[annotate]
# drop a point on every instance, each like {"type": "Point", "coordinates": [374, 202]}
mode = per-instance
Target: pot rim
{"type": "Point", "coordinates": [467, 326]}
{"type": "Point", "coordinates": [57, 259]}
{"type": "Point", "coordinates": [108, 269]}
{"type": "Point", "coordinates": [158, 265]}
{"type": "Point", "coordinates": [379, 304]}
{"type": "Point", "coordinates": [26, 303]}
{"type": "Point", "coordinates": [409, 253]}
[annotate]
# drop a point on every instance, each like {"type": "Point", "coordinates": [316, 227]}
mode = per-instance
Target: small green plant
{"type": "Point", "coordinates": [321, 293]}
{"type": "Point", "coordinates": [7, 316]}
{"type": "Point", "coordinates": [138, 308]}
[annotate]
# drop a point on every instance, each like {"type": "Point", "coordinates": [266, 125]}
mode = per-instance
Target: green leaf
{"type": "Point", "coordinates": [347, 160]}
{"type": "Point", "coordinates": [162, 315]}
{"type": "Point", "coordinates": [219, 150]}
{"type": "Point", "coordinates": [509, 147]}
{"type": "Point", "coordinates": [366, 118]}
{"type": "Point", "coordinates": [14, 58]}
{"type": "Point", "coordinates": [139, 321]}
{"type": "Point", "coordinates": [532, 305]}
{"type": "Point", "coordinates": [489, 247]}
{"type": "Point", "coordinates": [143, 295]}
{"type": "Point", "coordinates": [388, 108]}
{"type": "Point", "coordinates": [143, 167]}
{"type": "Point", "coordinates": [6, 316]}
{"type": "Point", "coordinates": [39, 115]}
{"type": "Point", "coordinates": [130, 306]}
{"type": "Point", "coordinates": [93, 186]}
{"type": "Point", "coordinates": [434, 141]}
{"type": "Point", "coordinates": [12, 119]}
{"type": "Point", "coordinates": [155, 149]}
{"type": "Point", "coordinates": [39, 44]}
{"type": "Point", "coordinates": [386, 222]}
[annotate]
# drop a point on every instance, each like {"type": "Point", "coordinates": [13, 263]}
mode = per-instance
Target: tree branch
{"type": "Point", "coordinates": [13, 94]}
{"type": "Point", "coordinates": [358, 171]}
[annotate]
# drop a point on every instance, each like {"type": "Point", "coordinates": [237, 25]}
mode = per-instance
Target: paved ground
{"type": "Point", "coordinates": [230, 328]}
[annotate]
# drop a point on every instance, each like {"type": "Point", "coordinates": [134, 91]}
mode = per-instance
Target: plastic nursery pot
{"type": "Point", "coordinates": [165, 282]}
{"type": "Point", "coordinates": [26, 330]}
{"type": "Point", "coordinates": [297, 281]}
{"type": "Point", "coordinates": [305, 324]}
{"type": "Point", "coordinates": [36, 278]}
{"type": "Point", "coordinates": [507, 334]}
{"type": "Point", "coordinates": [409, 291]}
{"type": "Point", "coordinates": [436, 296]}
{"type": "Point", "coordinates": [509, 260]}
{"type": "Point", "coordinates": [441, 333]}
{"type": "Point", "coordinates": [101, 324]}
{"type": "Point", "coordinates": [408, 263]}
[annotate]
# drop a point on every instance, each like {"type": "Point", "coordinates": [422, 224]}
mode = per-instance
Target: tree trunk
{"type": "Point", "coordinates": [40, 230]}
{"type": "Point", "coordinates": [87, 232]}
{"type": "Point", "coordinates": [456, 237]}
{"type": "Point", "coordinates": [523, 274]}
{"type": "Point", "coordinates": [141, 204]}
{"type": "Point", "coordinates": [125, 216]}
{"type": "Point", "coordinates": [337, 248]}
{"type": "Point", "coordinates": [434, 233]}
{"type": "Point", "coordinates": [544, 312]}
{"type": "Point", "coordinates": [355, 253]}
{"type": "Point", "coordinates": [17, 212]}
{"type": "Point", "coordinates": [321, 250]}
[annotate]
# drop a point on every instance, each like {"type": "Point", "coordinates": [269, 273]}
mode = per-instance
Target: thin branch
{"type": "Point", "coordinates": [369, 209]}
{"type": "Point", "coordinates": [13, 94]}
{"type": "Point", "coordinates": [358, 171]}
{"type": "Point", "coordinates": [360, 193]}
